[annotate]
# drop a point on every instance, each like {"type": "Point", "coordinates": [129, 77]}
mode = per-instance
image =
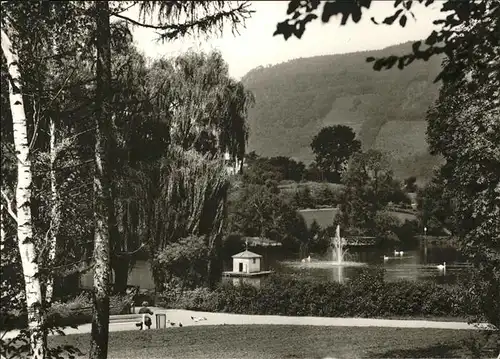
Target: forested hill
{"type": "Point", "coordinates": [294, 100]}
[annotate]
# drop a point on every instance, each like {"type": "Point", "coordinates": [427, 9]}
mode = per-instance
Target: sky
{"type": "Point", "coordinates": [256, 45]}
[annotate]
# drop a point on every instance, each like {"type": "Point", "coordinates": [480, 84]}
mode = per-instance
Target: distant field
{"type": "Point", "coordinates": [277, 342]}
{"type": "Point", "coordinates": [313, 186]}
{"type": "Point", "coordinates": [324, 216]}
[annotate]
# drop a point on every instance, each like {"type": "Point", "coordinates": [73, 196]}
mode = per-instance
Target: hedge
{"type": "Point", "coordinates": [366, 296]}
{"type": "Point", "coordinates": [74, 312]}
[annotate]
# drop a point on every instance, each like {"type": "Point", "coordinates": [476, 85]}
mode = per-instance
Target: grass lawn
{"type": "Point", "coordinates": [279, 342]}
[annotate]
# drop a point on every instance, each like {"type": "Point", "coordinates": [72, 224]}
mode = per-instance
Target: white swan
{"type": "Point", "coordinates": [309, 259]}
{"type": "Point", "coordinates": [401, 253]}
{"type": "Point", "coordinates": [303, 260]}
{"type": "Point", "coordinates": [396, 252]}
{"type": "Point", "coordinates": [386, 258]}
{"type": "Point", "coordinates": [442, 266]}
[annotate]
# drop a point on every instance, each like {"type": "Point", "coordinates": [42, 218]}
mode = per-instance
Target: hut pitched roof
{"type": "Point", "coordinates": [247, 254]}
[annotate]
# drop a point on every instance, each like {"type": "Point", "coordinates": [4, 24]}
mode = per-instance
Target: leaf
{"type": "Point", "coordinates": [463, 11]}
{"type": "Point", "coordinates": [390, 20]}
{"type": "Point", "coordinates": [402, 20]}
{"type": "Point", "coordinates": [416, 46]}
{"type": "Point", "coordinates": [370, 59]}
{"type": "Point", "coordinates": [284, 28]}
{"type": "Point", "coordinates": [309, 18]}
{"type": "Point", "coordinates": [330, 9]}
{"type": "Point", "coordinates": [391, 61]}
{"type": "Point", "coordinates": [374, 21]}
{"type": "Point", "coordinates": [432, 38]}
{"type": "Point", "coordinates": [365, 3]}
{"type": "Point", "coordinates": [292, 6]}
{"type": "Point", "coordinates": [378, 64]}
{"type": "Point", "coordinates": [409, 60]}
{"type": "Point", "coordinates": [312, 5]}
{"type": "Point", "coordinates": [356, 15]}
{"type": "Point", "coordinates": [401, 63]}
{"type": "Point", "coordinates": [345, 17]}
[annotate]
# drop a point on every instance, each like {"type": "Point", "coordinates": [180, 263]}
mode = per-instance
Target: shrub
{"type": "Point", "coordinates": [73, 312]}
{"type": "Point", "coordinates": [368, 295]}
{"type": "Point", "coordinates": [145, 295]}
{"type": "Point", "coordinates": [200, 298]}
{"type": "Point", "coordinates": [79, 310]}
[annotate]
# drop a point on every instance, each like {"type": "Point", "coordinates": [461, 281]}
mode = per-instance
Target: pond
{"type": "Point", "coordinates": [416, 264]}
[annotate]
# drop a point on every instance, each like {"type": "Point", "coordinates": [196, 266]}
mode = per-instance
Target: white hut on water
{"type": "Point", "coordinates": [246, 264]}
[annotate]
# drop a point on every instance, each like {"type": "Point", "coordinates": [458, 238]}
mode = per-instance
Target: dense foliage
{"type": "Point", "coordinates": [261, 211]}
{"type": "Point", "coordinates": [261, 170]}
{"type": "Point", "coordinates": [72, 312]}
{"type": "Point", "coordinates": [463, 123]}
{"type": "Point", "coordinates": [139, 112]}
{"type": "Point", "coordinates": [435, 210]}
{"type": "Point", "coordinates": [365, 296]}
{"type": "Point", "coordinates": [332, 147]}
{"type": "Point", "coordinates": [369, 188]}
{"type": "Point", "coordinates": [189, 204]}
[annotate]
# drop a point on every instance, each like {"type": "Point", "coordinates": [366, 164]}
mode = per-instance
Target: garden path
{"type": "Point", "coordinates": [184, 316]}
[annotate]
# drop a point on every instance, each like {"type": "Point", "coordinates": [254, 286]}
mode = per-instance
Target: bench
{"type": "Point", "coordinates": [127, 318]}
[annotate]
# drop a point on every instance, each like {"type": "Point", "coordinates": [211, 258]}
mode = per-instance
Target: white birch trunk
{"type": "Point", "coordinates": [2, 231]}
{"type": "Point", "coordinates": [54, 211]}
{"type": "Point", "coordinates": [33, 289]}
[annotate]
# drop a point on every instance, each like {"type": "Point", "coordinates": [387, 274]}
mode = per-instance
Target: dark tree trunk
{"type": "Point", "coordinates": [103, 206]}
{"type": "Point", "coordinates": [208, 282]}
{"type": "Point", "coordinates": [120, 259]}
{"type": "Point", "coordinates": [214, 265]}
{"type": "Point", "coordinates": [120, 267]}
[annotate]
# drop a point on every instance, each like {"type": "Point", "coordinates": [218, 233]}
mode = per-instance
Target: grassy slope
{"type": "Point", "coordinates": [324, 217]}
{"type": "Point", "coordinates": [387, 109]}
{"type": "Point", "coordinates": [293, 187]}
{"type": "Point", "coordinates": [269, 342]}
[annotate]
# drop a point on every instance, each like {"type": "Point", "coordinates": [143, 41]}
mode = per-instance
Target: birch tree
{"type": "Point", "coordinates": [103, 206]}
{"type": "Point", "coordinates": [22, 216]}
{"type": "Point", "coordinates": [54, 215]}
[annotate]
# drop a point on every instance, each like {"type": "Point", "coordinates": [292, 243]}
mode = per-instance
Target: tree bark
{"type": "Point", "coordinates": [2, 231]}
{"type": "Point", "coordinates": [121, 268]}
{"type": "Point", "coordinates": [38, 338]}
{"type": "Point", "coordinates": [54, 212]}
{"type": "Point", "coordinates": [120, 260]}
{"type": "Point", "coordinates": [103, 206]}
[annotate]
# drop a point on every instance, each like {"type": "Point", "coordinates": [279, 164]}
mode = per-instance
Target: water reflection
{"type": "Point", "coordinates": [418, 264]}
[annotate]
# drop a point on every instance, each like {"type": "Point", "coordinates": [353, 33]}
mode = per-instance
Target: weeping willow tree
{"type": "Point", "coordinates": [189, 212]}
{"type": "Point", "coordinates": [182, 200]}
{"type": "Point", "coordinates": [208, 108]}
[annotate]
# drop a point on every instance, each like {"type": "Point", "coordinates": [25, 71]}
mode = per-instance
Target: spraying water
{"type": "Point", "coordinates": [338, 244]}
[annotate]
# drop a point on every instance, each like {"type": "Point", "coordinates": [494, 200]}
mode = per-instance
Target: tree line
{"type": "Point", "coordinates": [463, 124]}
{"type": "Point", "coordinates": [102, 153]}
{"type": "Point", "coordinates": [103, 156]}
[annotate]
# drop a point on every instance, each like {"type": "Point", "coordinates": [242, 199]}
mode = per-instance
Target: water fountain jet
{"type": "Point", "coordinates": [338, 258]}
{"type": "Point", "coordinates": [338, 244]}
